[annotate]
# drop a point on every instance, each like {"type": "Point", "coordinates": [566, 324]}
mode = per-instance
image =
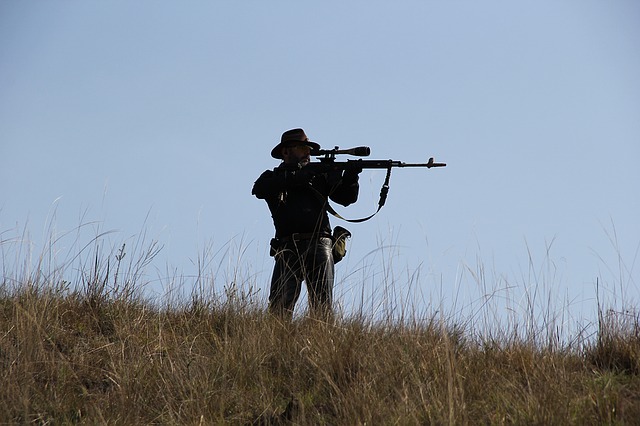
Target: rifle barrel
{"type": "Point", "coordinates": [429, 164]}
{"type": "Point", "coordinates": [383, 164]}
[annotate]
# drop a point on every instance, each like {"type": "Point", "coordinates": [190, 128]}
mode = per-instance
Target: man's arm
{"type": "Point", "coordinates": [346, 192]}
{"type": "Point", "coordinates": [272, 183]}
{"type": "Point", "coordinates": [268, 185]}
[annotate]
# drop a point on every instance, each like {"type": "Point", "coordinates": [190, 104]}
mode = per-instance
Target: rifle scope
{"type": "Point", "coordinates": [359, 151]}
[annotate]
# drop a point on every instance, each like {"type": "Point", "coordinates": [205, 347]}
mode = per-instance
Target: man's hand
{"type": "Point", "coordinates": [351, 173]}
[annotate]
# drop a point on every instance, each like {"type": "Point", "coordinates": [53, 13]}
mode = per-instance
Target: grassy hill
{"type": "Point", "coordinates": [99, 356]}
{"type": "Point", "coordinates": [95, 351]}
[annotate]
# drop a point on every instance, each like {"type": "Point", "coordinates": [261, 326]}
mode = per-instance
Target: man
{"type": "Point", "coordinates": [297, 197]}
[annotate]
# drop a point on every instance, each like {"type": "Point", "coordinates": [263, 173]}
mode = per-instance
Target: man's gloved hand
{"type": "Point", "coordinates": [351, 173]}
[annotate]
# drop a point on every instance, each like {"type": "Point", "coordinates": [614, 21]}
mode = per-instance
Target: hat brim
{"type": "Point", "coordinates": [276, 152]}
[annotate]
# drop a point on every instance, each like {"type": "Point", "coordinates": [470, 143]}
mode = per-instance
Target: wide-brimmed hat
{"type": "Point", "coordinates": [290, 138]}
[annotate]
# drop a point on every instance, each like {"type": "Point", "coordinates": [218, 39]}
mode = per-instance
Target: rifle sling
{"type": "Point", "coordinates": [383, 198]}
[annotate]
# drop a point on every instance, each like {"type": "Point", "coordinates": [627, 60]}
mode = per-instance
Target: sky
{"type": "Point", "coordinates": [147, 122]}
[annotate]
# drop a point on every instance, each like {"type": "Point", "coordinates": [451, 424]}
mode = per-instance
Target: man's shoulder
{"type": "Point", "coordinates": [267, 173]}
{"type": "Point", "coordinates": [280, 168]}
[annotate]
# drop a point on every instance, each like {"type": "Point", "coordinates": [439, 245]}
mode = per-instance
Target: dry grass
{"type": "Point", "coordinates": [96, 352]}
{"type": "Point", "coordinates": [71, 358]}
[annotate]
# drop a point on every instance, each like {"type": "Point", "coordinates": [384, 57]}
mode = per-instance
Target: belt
{"type": "Point", "coordinates": [298, 236]}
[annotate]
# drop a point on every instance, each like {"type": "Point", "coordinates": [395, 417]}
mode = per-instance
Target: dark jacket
{"type": "Point", "coordinates": [297, 199]}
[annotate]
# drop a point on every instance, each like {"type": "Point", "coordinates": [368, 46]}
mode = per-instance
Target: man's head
{"type": "Point", "coordinates": [294, 147]}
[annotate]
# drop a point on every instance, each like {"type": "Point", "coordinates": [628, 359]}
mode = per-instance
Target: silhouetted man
{"type": "Point", "coordinates": [297, 198]}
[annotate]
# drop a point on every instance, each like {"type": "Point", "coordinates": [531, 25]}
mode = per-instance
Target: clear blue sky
{"type": "Point", "coordinates": [152, 119]}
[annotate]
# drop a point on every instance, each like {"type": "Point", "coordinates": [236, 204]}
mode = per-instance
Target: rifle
{"type": "Point", "coordinates": [364, 151]}
{"type": "Point", "coordinates": [328, 163]}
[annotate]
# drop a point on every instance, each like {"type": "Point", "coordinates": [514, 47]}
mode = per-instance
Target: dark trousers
{"type": "Point", "coordinates": [310, 261]}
